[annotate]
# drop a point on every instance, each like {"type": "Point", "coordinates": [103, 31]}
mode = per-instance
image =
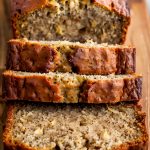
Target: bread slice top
{"type": "Point", "coordinates": [46, 127]}
{"type": "Point", "coordinates": [60, 77]}
{"type": "Point", "coordinates": [64, 56]}
{"type": "Point", "coordinates": [71, 88]}
{"type": "Point", "coordinates": [87, 44]}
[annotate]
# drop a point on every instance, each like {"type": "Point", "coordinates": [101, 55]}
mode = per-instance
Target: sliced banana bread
{"type": "Point", "coordinates": [71, 88]}
{"type": "Point", "coordinates": [64, 56]}
{"type": "Point", "coordinates": [74, 127]}
{"type": "Point", "coordinates": [103, 21]}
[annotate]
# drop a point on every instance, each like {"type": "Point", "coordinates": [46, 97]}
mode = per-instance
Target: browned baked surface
{"type": "Point", "coordinates": [71, 88]}
{"type": "Point", "coordinates": [23, 6]}
{"type": "Point", "coordinates": [89, 58]}
{"type": "Point", "coordinates": [134, 129]}
{"type": "Point", "coordinates": [20, 9]}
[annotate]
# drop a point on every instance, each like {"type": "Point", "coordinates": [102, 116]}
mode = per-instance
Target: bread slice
{"type": "Point", "coordinates": [74, 127]}
{"type": "Point", "coordinates": [71, 88]}
{"type": "Point", "coordinates": [103, 21]}
{"type": "Point", "coordinates": [64, 56]}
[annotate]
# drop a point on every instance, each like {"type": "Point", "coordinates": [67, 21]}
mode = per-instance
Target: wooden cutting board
{"type": "Point", "coordinates": [138, 36]}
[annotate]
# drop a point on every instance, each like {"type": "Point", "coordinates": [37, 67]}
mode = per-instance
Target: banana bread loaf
{"type": "Point", "coordinates": [64, 56]}
{"type": "Point", "coordinates": [73, 127]}
{"type": "Point", "coordinates": [103, 21]}
{"type": "Point", "coordinates": [71, 88]}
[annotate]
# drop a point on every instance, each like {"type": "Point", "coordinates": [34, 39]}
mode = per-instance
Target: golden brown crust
{"type": "Point", "coordinates": [111, 92]}
{"type": "Point", "coordinates": [9, 144]}
{"type": "Point", "coordinates": [42, 88]}
{"type": "Point", "coordinates": [138, 144]}
{"type": "Point", "coordinates": [23, 7]}
{"type": "Point", "coordinates": [8, 127]}
{"type": "Point", "coordinates": [141, 143]}
{"type": "Point", "coordinates": [35, 88]}
{"type": "Point", "coordinates": [118, 6]}
{"type": "Point", "coordinates": [31, 57]}
{"type": "Point", "coordinates": [126, 61]}
{"type": "Point", "coordinates": [104, 61]}
{"type": "Point", "coordinates": [38, 57]}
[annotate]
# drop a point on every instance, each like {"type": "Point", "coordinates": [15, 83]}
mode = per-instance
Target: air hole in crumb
{"type": "Point", "coordinates": [81, 6]}
{"type": "Point", "coordinates": [48, 13]}
{"type": "Point", "coordinates": [112, 5]}
{"type": "Point", "coordinates": [19, 11]}
{"type": "Point", "coordinates": [61, 8]}
{"type": "Point", "coordinates": [82, 30]}
{"type": "Point", "coordinates": [67, 2]}
{"type": "Point", "coordinates": [85, 6]}
{"type": "Point", "coordinates": [57, 147]}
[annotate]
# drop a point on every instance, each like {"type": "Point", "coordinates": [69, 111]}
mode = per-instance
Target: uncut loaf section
{"type": "Point", "coordinates": [103, 21]}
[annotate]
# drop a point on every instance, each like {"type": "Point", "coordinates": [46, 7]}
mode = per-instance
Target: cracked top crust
{"type": "Point", "coordinates": [26, 6]}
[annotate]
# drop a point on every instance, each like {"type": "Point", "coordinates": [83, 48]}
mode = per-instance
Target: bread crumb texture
{"type": "Point", "coordinates": [74, 127]}
{"type": "Point", "coordinates": [73, 20]}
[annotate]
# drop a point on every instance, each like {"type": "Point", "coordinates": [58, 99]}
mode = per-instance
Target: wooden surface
{"type": "Point", "coordinates": [138, 35]}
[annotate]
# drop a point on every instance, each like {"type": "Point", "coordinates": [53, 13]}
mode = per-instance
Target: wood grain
{"type": "Point", "coordinates": [138, 35]}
